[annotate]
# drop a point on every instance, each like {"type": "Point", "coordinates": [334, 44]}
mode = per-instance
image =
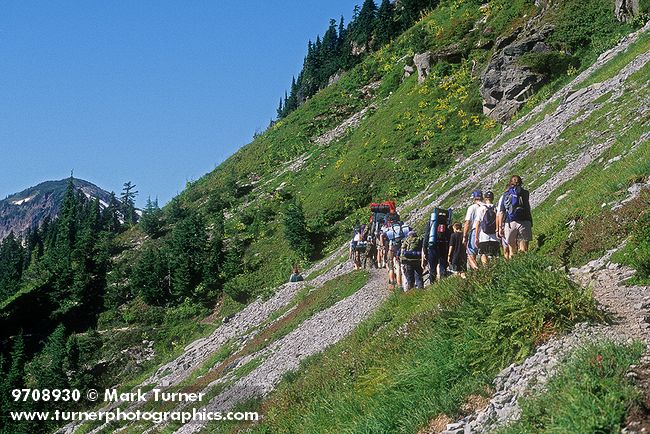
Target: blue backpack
{"type": "Point", "coordinates": [439, 224]}
{"type": "Point", "coordinates": [514, 204]}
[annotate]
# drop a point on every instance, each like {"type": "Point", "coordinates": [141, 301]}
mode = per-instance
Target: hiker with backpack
{"type": "Point", "coordinates": [501, 224]}
{"type": "Point", "coordinates": [396, 234]}
{"type": "Point", "coordinates": [485, 230]}
{"type": "Point", "coordinates": [411, 258]}
{"type": "Point", "coordinates": [457, 257]}
{"type": "Point", "coordinates": [371, 254]}
{"type": "Point", "coordinates": [469, 235]}
{"type": "Point", "coordinates": [517, 216]}
{"type": "Point", "coordinates": [295, 275]}
{"type": "Point", "coordinates": [436, 250]}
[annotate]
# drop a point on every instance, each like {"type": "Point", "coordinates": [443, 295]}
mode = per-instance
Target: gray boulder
{"type": "Point", "coordinates": [422, 63]}
{"type": "Point", "coordinates": [506, 84]}
{"type": "Point", "coordinates": [626, 10]}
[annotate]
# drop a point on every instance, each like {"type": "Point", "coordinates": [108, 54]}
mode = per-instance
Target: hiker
{"type": "Point", "coordinates": [516, 216]}
{"type": "Point", "coordinates": [457, 253]}
{"type": "Point", "coordinates": [501, 223]}
{"type": "Point", "coordinates": [359, 245]}
{"type": "Point", "coordinates": [485, 229]}
{"type": "Point", "coordinates": [397, 232]}
{"type": "Point", "coordinates": [411, 258]}
{"type": "Point", "coordinates": [469, 238]}
{"type": "Point", "coordinates": [295, 275]}
{"type": "Point", "coordinates": [436, 250]}
{"type": "Point", "coordinates": [371, 254]}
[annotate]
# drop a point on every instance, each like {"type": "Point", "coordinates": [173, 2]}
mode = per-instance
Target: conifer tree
{"type": "Point", "coordinates": [48, 366]}
{"type": "Point", "coordinates": [213, 262]}
{"type": "Point", "coordinates": [295, 230]}
{"type": "Point", "coordinates": [128, 202]}
{"type": "Point", "coordinates": [11, 266]}
{"type": "Point", "coordinates": [387, 26]}
{"type": "Point", "coordinates": [149, 277]}
{"type": "Point", "coordinates": [152, 218]}
{"type": "Point", "coordinates": [186, 246]}
{"type": "Point", "coordinates": [363, 26]}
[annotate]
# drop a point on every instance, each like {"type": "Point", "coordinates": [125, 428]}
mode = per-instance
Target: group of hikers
{"type": "Point", "coordinates": [445, 248]}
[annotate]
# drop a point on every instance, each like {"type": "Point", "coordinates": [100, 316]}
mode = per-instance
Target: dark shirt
{"type": "Point", "coordinates": [458, 254]}
{"type": "Point", "coordinates": [296, 277]}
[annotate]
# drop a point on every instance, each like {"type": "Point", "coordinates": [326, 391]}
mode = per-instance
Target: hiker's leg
{"type": "Point", "coordinates": [443, 252]}
{"type": "Point", "coordinates": [472, 250]}
{"type": "Point", "coordinates": [409, 272]}
{"type": "Point", "coordinates": [432, 260]}
{"type": "Point", "coordinates": [417, 271]}
{"type": "Point", "coordinates": [398, 272]}
{"type": "Point", "coordinates": [523, 246]}
{"type": "Point", "coordinates": [511, 233]}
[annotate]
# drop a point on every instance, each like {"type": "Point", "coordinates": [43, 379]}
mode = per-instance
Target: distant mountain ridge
{"type": "Point", "coordinates": [28, 208]}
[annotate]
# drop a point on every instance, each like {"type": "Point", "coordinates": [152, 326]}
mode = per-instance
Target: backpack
{"type": "Point", "coordinates": [398, 232]}
{"type": "Point", "coordinates": [392, 217]}
{"type": "Point", "coordinates": [439, 226]}
{"type": "Point", "coordinates": [378, 219]}
{"type": "Point", "coordinates": [361, 247]}
{"type": "Point", "coordinates": [514, 204]}
{"type": "Point", "coordinates": [489, 221]}
{"type": "Point", "coordinates": [412, 249]}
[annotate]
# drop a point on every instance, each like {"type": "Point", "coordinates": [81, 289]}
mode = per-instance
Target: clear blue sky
{"type": "Point", "coordinates": [156, 92]}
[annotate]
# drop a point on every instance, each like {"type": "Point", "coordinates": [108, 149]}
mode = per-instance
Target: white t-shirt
{"type": "Point", "coordinates": [482, 236]}
{"type": "Point", "coordinates": [471, 214]}
{"type": "Point", "coordinates": [498, 208]}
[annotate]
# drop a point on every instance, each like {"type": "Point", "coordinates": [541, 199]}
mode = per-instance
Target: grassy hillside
{"type": "Point", "coordinates": [410, 135]}
{"type": "Point", "coordinates": [451, 340]}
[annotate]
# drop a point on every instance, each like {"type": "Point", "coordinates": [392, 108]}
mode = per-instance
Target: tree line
{"type": "Point", "coordinates": [342, 47]}
{"type": "Point", "coordinates": [58, 278]}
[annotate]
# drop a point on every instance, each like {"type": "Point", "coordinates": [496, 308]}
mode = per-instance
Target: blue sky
{"type": "Point", "coordinates": [155, 92]}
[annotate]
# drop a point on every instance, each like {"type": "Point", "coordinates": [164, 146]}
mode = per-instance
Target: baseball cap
{"type": "Point", "coordinates": [477, 194]}
{"type": "Point", "coordinates": [489, 195]}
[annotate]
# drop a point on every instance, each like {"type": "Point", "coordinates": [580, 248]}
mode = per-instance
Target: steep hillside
{"type": "Point", "coordinates": [421, 358]}
{"type": "Point", "coordinates": [194, 298]}
{"type": "Point", "coordinates": [29, 208]}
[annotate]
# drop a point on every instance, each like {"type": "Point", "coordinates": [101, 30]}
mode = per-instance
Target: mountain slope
{"type": "Point", "coordinates": [29, 208]}
{"type": "Point", "coordinates": [565, 169]}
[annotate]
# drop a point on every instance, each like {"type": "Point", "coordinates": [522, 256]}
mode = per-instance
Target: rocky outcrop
{"type": "Point", "coordinates": [506, 84]}
{"type": "Point", "coordinates": [334, 78]}
{"type": "Point", "coordinates": [626, 10]}
{"type": "Point", "coordinates": [423, 63]}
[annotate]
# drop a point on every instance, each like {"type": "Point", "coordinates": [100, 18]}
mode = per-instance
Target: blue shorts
{"type": "Point", "coordinates": [472, 248]}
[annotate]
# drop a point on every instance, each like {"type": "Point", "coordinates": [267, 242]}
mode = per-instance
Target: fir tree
{"type": "Point", "coordinates": [295, 230]}
{"type": "Point", "coordinates": [127, 200]}
{"type": "Point", "coordinates": [187, 243]}
{"type": "Point", "coordinates": [152, 218]}
{"type": "Point", "coordinates": [48, 367]}
{"type": "Point", "coordinates": [387, 27]}
{"type": "Point", "coordinates": [363, 26]}
{"type": "Point", "coordinates": [11, 266]}
{"type": "Point", "coordinates": [149, 277]}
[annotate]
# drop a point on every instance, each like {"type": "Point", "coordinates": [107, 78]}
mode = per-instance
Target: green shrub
{"type": "Point", "coordinates": [589, 394]}
{"type": "Point", "coordinates": [639, 245]}
{"type": "Point", "coordinates": [587, 24]}
{"type": "Point", "coordinates": [550, 63]}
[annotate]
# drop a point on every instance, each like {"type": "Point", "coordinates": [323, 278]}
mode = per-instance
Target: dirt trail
{"type": "Point", "coordinates": [312, 336]}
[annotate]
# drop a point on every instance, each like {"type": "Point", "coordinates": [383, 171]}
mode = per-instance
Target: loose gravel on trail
{"type": "Point", "coordinates": [312, 336]}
